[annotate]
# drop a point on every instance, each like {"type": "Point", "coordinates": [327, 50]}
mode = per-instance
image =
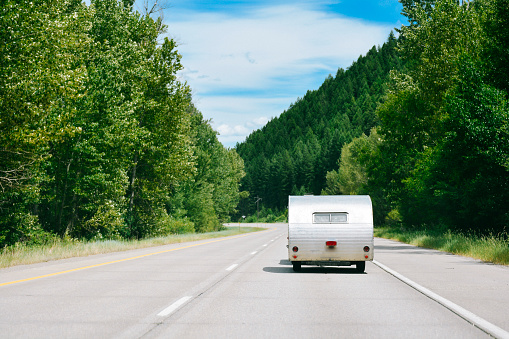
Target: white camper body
{"type": "Point", "coordinates": [330, 230]}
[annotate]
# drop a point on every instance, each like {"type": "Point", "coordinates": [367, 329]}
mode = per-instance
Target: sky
{"type": "Point", "coordinates": [247, 61]}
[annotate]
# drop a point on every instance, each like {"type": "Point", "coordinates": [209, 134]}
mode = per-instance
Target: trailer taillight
{"type": "Point", "coordinates": [295, 249]}
{"type": "Point", "coordinates": [331, 243]}
{"type": "Point", "coordinates": [366, 248]}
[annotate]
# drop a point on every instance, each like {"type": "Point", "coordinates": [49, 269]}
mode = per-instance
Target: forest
{"type": "Point", "coordinates": [99, 138]}
{"type": "Point", "coordinates": [420, 124]}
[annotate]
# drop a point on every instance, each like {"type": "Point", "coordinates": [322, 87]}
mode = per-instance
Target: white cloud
{"type": "Point", "coordinates": [246, 67]}
{"type": "Point", "coordinates": [261, 121]}
{"type": "Point", "coordinates": [227, 130]}
{"type": "Point", "coordinates": [226, 51]}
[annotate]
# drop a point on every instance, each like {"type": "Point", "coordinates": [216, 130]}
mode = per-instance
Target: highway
{"type": "Point", "coordinates": [244, 287]}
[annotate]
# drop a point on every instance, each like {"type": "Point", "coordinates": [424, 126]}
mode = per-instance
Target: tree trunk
{"type": "Point", "coordinates": [131, 183]}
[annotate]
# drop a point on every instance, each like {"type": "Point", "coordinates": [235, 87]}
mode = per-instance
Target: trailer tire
{"type": "Point", "coordinates": [296, 266]}
{"type": "Point", "coordinates": [360, 266]}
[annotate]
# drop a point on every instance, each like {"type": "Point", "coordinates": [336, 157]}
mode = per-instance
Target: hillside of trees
{"type": "Point", "coordinates": [421, 124]}
{"type": "Point", "coordinates": [98, 136]}
{"type": "Point", "coordinates": [293, 153]}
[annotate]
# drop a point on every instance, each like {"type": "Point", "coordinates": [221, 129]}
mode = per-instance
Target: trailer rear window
{"type": "Point", "coordinates": [330, 218]}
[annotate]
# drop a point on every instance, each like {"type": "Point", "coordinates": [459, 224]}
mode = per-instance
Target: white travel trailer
{"type": "Point", "coordinates": [330, 230]}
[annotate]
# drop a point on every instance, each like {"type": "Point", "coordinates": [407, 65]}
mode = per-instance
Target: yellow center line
{"type": "Point", "coordinates": [127, 259]}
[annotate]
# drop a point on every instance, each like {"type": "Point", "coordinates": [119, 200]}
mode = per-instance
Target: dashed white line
{"type": "Point", "coordinates": [232, 267]}
{"type": "Point", "coordinates": [179, 303]}
{"type": "Point", "coordinates": [173, 307]}
{"type": "Point", "coordinates": [475, 320]}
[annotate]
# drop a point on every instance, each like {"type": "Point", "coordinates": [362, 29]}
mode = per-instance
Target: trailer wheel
{"type": "Point", "coordinates": [297, 266]}
{"type": "Point", "coordinates": [360, 266]}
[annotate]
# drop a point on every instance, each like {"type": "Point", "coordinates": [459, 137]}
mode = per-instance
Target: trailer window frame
{"type": "Point", "coordinates": [330, 218]}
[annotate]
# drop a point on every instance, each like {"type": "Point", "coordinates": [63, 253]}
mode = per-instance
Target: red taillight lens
{"type": "Point", "coordinates": [366, 248]}
{"type": "Point", "coordinates": [295, 249]}
{"type": "Point", "coordinates": [331, 243]}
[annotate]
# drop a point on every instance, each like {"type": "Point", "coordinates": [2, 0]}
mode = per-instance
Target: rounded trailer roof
{"type": "Point", "coordinates": [358, 207]}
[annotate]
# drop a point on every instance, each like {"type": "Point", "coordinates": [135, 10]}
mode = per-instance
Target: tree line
{"type": "Point", "coordinates": [98, 135]}
{"type": "Point", "coordinates": [434, 152]}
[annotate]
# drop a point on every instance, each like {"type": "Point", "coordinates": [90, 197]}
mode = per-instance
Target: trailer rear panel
{"type": "Point", "coordinates": [330, 230]}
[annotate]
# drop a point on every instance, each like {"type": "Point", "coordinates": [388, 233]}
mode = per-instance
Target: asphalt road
{"type": "Point", "coordinates": [244, 287]}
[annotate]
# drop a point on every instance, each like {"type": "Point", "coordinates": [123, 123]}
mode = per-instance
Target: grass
{"type": "Point", "coordinates": [494, 249]}
{"type": "Point", "coordinates": [62, 249]}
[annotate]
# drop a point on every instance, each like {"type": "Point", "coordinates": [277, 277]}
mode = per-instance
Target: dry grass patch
{"type": "Point", "coordinates": [493, 248]}
{"type": "Point", "coordinates": [62, 249]}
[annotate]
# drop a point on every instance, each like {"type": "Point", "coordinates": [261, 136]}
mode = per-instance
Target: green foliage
{"type": "Point", "coordinates": [40, 83]}
{"type": "Point", "coordinates": [466, 171]}
{"type": "Point", "coordinates": [358, 158]}
{"type": "Point", "coordinates": [97, 138]}
{"type": "Point", "coordinates": [107, 222]}
{"type": "Point", "coordinates": [211, 194]}
{"type": "Point", "coordinates": [267, 215]}
{"type": "Point", "coordinates": [163, 157]}
{"type": "Point", "coordinates": [351, 177]}
{"type": "Point", "coordinates": [444, 123]}
{"type": "Point", "coordinates": [494, 53]}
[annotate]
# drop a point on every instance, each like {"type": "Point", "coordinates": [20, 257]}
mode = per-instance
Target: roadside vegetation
{"type": "Point", "coordinates": [421, 124]}
{"type": "Point", "coordinates": [490, 248]}
{"type": "Point", "coordinates": [99, 138]}
{"type": "Point", "coordinates": [266, 215]}
{"type": "Point", "coordinates": [22, 254]}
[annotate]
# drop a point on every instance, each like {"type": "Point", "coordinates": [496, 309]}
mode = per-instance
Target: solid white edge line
{"type": "Point", "coordinates": [477, 321]}
{"type": "Point", "coordinates": [173, 307]}
{"type": "Point", "coordinates": [232, 267]}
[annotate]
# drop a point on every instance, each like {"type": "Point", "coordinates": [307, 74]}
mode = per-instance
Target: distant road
{"type": "Point", "coordinates": [244, 287]}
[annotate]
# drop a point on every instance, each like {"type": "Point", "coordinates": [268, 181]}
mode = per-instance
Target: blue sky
{"type": "Point", "coordinates": [247, 61]}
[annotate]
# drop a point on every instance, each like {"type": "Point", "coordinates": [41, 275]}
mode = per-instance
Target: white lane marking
{"type": "Point", "coordinates": [232, 267]}
{"type": "Point", "coordinates": [173, 307]}
{"type": "Point", "coordinates": [252, 253]}
{"type": "Point", "coordinates": [475, 320]}
{"type": "Point", "coordinates": [265, 245]}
